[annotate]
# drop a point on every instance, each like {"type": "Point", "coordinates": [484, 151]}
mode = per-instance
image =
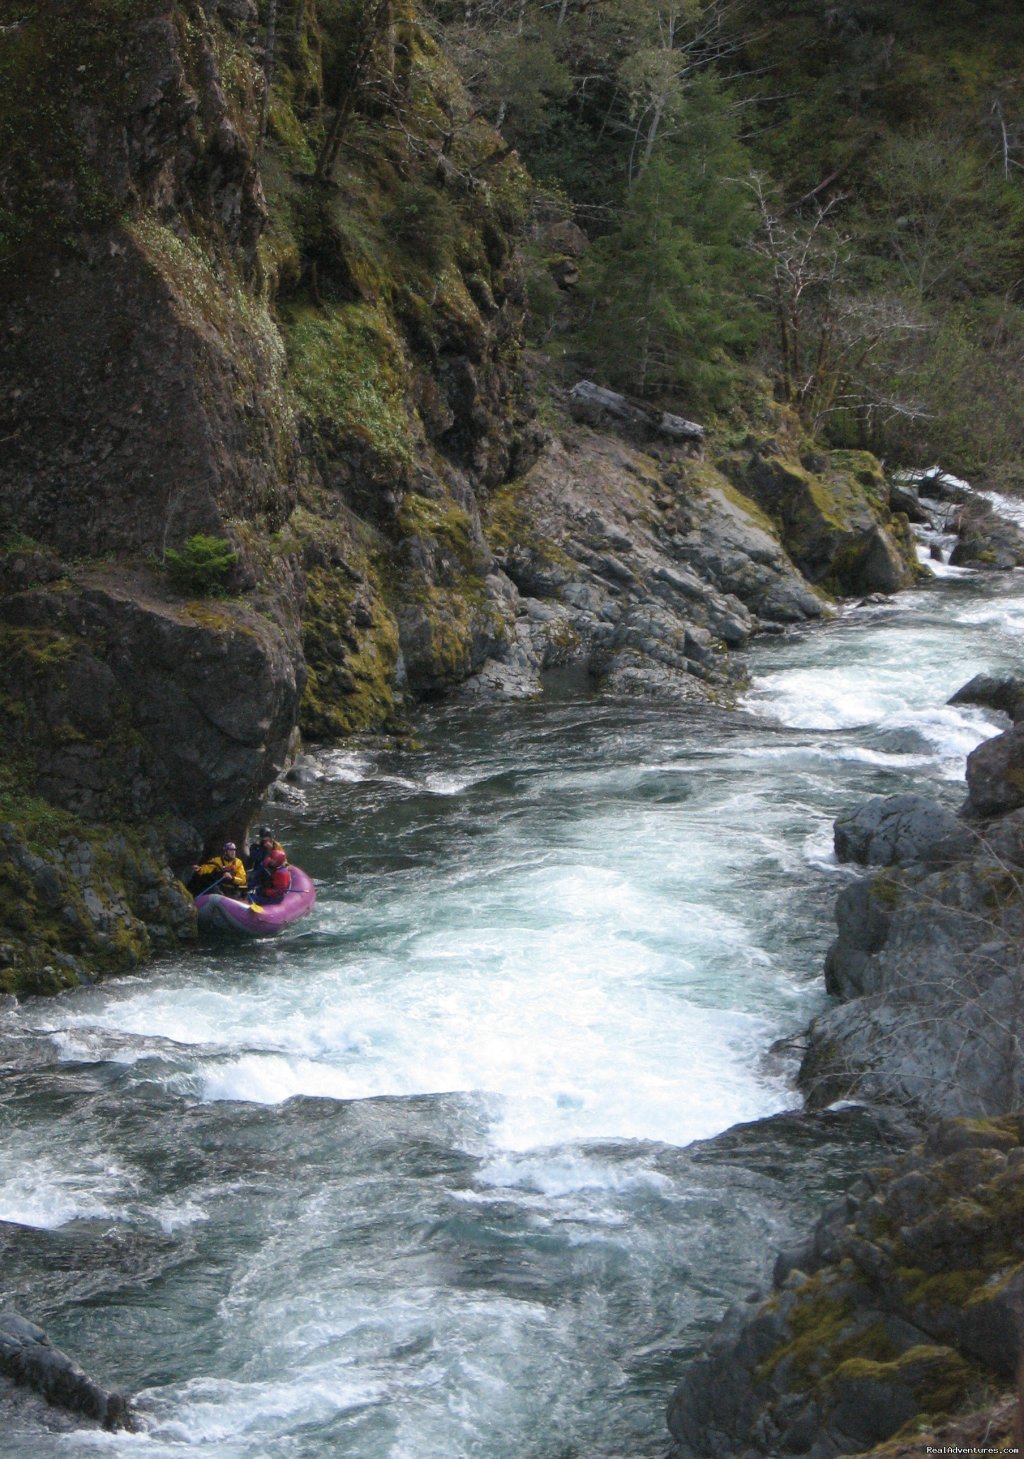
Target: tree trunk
{"type": "Point", "coordinates": [375, 13]}
{"type": "Point", "coordinates": [269, 60]}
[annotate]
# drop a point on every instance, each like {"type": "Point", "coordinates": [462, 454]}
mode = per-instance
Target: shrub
{"type": "Point", "coordinates": [202, 568]}
{"type": "Point", "coordinates": [421, 219]}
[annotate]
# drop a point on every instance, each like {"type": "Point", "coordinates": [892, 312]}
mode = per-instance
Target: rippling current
{"type": "Point", "coordinates": [419, 1180]}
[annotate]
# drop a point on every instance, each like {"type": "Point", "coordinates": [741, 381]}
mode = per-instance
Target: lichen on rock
{"type": "Point", "coordinates": [902, 1308]}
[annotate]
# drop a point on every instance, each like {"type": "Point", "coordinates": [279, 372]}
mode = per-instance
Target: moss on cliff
{"type": "Point", "coordinates": [937, 1378]}
{"type": "Point", "coordinates": [344, 367]}
{"type": "Point", "coordinates": [351, 645]}
{"type": "Point", "coordinates": [81, 900]}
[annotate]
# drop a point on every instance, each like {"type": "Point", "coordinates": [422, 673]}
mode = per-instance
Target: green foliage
{"type": "Point", "coordinates": [421, 219]}
{"type": "Point", "coordinates": [966, 368]}
{"type": "Point", "coordinates": [668, 289]}
{"type": "Point", "coordinates": [938, 218]}
{"type": "Point", "coordinates": [525, 76]}
{"type": "Point", "coordinates": [902, 119]}
{"type": "Point", "coordinates": [346, 366]}
{"type": "Point", "coordinates": [202, 568]}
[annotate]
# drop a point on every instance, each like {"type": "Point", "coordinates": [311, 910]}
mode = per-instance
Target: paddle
{"type": "Point", "coordinates": [212, 887]}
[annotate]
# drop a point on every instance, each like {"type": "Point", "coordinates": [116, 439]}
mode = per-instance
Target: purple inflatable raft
{"type": "Point", "coordinates": [227, 914]}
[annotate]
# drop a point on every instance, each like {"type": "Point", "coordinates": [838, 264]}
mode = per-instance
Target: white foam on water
{"type": "Point", "coordinates": [38, 1189]}
{"type": "Point", "coordinates": [946, 570]}
{"type": "Point", "coordinates": [209, 1413]}
{"type": "Point", "coordinates": [172, 1216]}
{"type": "Point", "coordinates": [345, 766]}
{"type": "Point", "coordinates": [564, 1171]}
{"type": "Point", "coordinates": [841, 699]}
{"type": "Point", "coordinates": [441, 783]}
{"type": "Point", "coordinates": [1006, 616]}
{"type": "Point", "coordinates": [1010, 507]}
{"type": "Point", "coordinates": [556, 1025]}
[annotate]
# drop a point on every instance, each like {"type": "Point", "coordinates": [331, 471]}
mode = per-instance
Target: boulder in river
{"type": "Point", "coordinates": [986, 538]}
{"type": "Point", "coordinates": [898, 828]}
{"type": "Point", "coordinates": [833, 516]}
{"type": "Point", "coordinates": [993, 691]}
{"type": "Point", "coordinates": [995, 774]}
{"type": "Point", "coordinates": [28, 1357]}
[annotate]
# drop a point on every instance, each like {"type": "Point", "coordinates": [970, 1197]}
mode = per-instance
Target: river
{"type": "Point", "coordinates": [419, 1180]}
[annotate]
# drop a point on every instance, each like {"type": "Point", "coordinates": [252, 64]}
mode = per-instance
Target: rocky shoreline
{"type": "Point", "coordinates": [214, 354]}
{"type": "Point", "coordinates": [900, 1320]}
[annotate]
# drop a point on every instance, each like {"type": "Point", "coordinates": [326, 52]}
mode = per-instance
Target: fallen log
{"type": "Point", "coordinates": [595, 404]}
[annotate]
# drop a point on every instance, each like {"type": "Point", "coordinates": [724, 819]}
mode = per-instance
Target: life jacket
{"type": "Point", "coordinates": [257, 856]}
{"type": "Point", "coordinates": [280, 882]}
{"type": "Point", "coordinates": [233, 868]}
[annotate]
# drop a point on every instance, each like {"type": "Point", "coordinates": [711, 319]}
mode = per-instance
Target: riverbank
{"type": "Point", "coordinates": [899, 1322]}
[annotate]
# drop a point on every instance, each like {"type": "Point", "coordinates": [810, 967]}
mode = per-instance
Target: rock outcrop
{"type": "Point", "coordinates": [80, 901]}
{"type": "Point", "coordinates": [199, 344]}
{"type": "Point", "coordinates": [642, 569]}
{"type": "Point", "coordinates": [927, 964]}
{"type": "Point", "coordinates": [904, 1305]}
{"type": "Point", "coordinates": [832, 511]}
{"type": "Point", "coordinates": [899, 828]}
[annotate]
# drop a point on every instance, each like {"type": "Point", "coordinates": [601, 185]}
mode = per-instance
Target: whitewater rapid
{"type": "Point", "coordinates": [416, 1180]}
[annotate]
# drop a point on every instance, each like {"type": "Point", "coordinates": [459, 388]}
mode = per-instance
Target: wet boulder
{"type": "Point", "coordinates": [995, 774]}
{"type": "Point", "coordinates": [986, 538]}
{"type": "Point", "coordinates": [992, 691]}
{"type": "Point", "coordinates": [904, 497]}
{"type": "Point", "coordinates": [27, 1357]}
{"type": "Point", "coordinates": [893, 829]}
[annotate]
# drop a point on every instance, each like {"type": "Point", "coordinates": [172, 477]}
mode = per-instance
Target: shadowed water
{"type": "Point", "coordinates": [417, 1180]}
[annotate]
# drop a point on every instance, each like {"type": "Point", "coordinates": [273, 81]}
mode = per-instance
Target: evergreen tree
{"type": "Point", "coordinates": [670, 288]}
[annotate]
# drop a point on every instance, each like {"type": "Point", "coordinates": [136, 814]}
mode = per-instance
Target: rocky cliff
{"type": "Point", "coordinates": [272, 462]}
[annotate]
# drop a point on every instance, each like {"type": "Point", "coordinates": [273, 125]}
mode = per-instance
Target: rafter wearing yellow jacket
{"type": "Point", "coordinates": [224, 873]}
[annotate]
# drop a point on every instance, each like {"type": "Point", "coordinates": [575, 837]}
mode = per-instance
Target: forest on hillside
{"type": "Point", "coordinates": [832, 194]}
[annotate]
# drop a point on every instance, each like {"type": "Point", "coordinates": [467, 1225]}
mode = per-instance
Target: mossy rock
{"type": "Point", "coordinates": [870, 1400]}
{"type": "Point", "coordinates": [345, 371]}
{"type": "Point", "coordinates": [83, 901]}
{"type": "Point", "coordinates": [350, 639]}
{"type": "Point", "coordinates": [831, 514]}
